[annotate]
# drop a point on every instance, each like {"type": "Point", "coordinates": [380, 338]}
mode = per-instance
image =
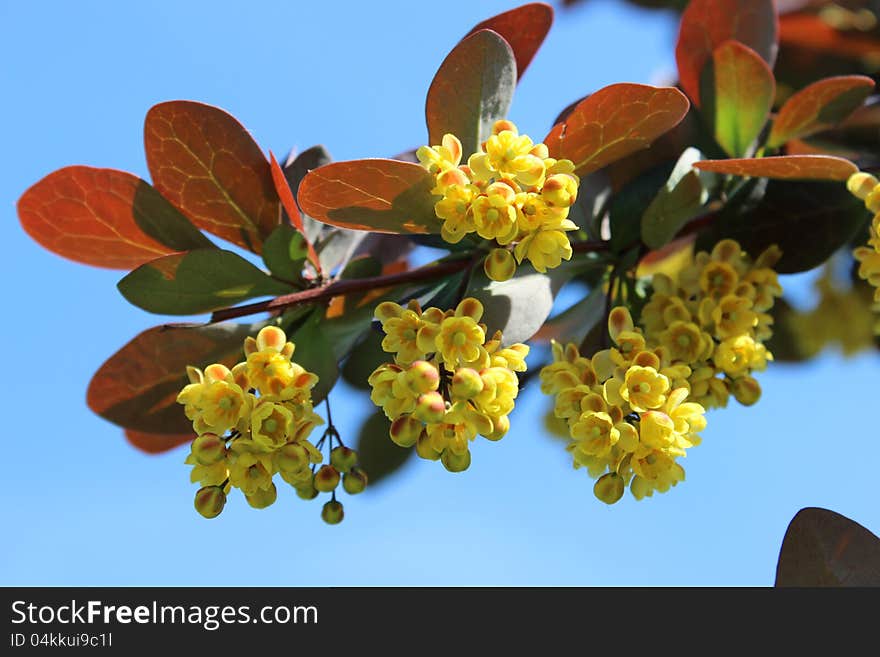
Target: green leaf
{"type": "Point", "coordinates": [628, 204]}
{"type": "Point", "coordinates": [364, 359]}
{"type": "Point", "coordinates": [164, 223]}
{"type": "Point", "coordinates": [196, 282]}
{"type": "Point", "coordinates": [737, 90]}
{"type": "Point", "coordinates": [824, 548]}
{"type": "Point", "coordinates": [519, 306]}
{"type": "Point", "coordinates": [284, 253]}
{"type": "Point", "coordinates": [472, 89]}
{"type": "Point", "coordinates": [314, 352]}
{"type": "Point", "coordinates": [681, 199]}
{"type": "Point", "coordinates": [574, 323]}
{"type": "Point", "coordinates": [377, 454]}
{"type": "Point", "coordinates": [808, 220]}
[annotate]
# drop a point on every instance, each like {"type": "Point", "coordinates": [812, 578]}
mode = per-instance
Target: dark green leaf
{"type": "Point", "coordinates": [284, 253]}
{"type": "Point", "coordinates": [574, 323]}
{"type": "Point", "coordinates": [808, 220]}
{"type": "Point", "coordinates": [314, 352]}
{"type": "Point", "coordinates": [164, 223]}
{"type": "Point", "coordinates": [365, 358]}
{"type": "Point", "coordinates": [627, 206]}
{"type": "Point", "coordinates": [196, 282]}
{"type": "Point", "coordinates": [377, 454]}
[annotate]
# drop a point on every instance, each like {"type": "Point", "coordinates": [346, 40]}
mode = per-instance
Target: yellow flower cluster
{"type": "Point", "coordinates": [510, 192]}
{"type": "Point", "coordinates": [253, 422]}
{"type": "Point", "coordinates": [867, 188]}
{"type": "Point", "coordinates": [636, 407]}
{"type": "Point", "coordinates": [448, 382]}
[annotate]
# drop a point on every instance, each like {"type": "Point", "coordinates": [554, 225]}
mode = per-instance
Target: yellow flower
{"type": "Point", "coordinates": [718, 279]}
{"type": "Point", "coordinates": [500, 388]}
{"type": "Point", "coordinates": [401, 335]}
{"type": "Point", "coordinates": [685, 341]}
{"type": "Point", "coordinates": [644, 388]}
{"type": "Point", "coordinates": [455, 211]}
{"type": "Point", "coordinates": [595, 433]}
{"type": "Point", "coordinates": [494, 213]}
{"type": "Point", "coordinates": [508, 155]}
{"type": "Point", "coordinates": [736, 356]}
{"type": "Point", "coordinates": [733, 316]}
{"type": "Point", "coordinates": [271, 424]}
{"type": "Point", "coordinates": [460, 337]}
{"type": "Point", "coordinates": [545, 249]}
{"type": "Point", "coordinates": [440, 158]}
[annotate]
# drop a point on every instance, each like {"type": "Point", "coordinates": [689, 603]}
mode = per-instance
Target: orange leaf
{"type": "Point", "coordinates": [287, 200]}
{"type": "Point", "coordinates": [819, 106]}
{"type": "Point", "coordinates": [784, 167]}
{"type": "Point", "coordinates": [208, 165]}
{"type": "Point", "coordinates": [524, 28]}
{"type": "Point", "coordinates": [614, 122]}
{"type": "Point", "coordinates": [137, 386]}
{"type": "Point", "coordinates": [156, 443]}
{"type": "Point", "coordinates": [809, 32]}
{"type": "Point", "coordinates": [89, 215]}
{"type": "Point", "coordinates": [384, 196]}
{"type": "Point", "coordinates": [706, 24]}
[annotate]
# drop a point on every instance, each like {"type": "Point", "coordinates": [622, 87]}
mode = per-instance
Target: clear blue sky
{"type": "Point", "coordinates": [79, 506]}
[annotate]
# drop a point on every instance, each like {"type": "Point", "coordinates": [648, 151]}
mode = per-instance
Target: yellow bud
{"type": "Point", "coordinates": [263, 497]}
{"type": "Point", "coordinates": [466, 384]}
{"type": "Point", "coordinates": [292, 457]}
{"type": "Point", "coordinates": [333, 512]}
{"type": "Point", "coordinates": [455, 462]}
{"type": "Point", "coordinates": [210, 501]}
{"type": "Point", "coordinates": [499, 265]}
{"type": "Point", "coordinates": [307, 492]}
{"type": "Point", "coordinates": [861, 184]}
{"type": "Point", "coordinates": [560, 190]}
{"type": "Point", "coordinates": [872, 200]}
{"type": "Point", "coordinates": [405, 430]}
{"type": "Point", "coordinates": [746, 390]}
{"type": "Point", "coordinates": [271, 338]}
{"type": "Point", "coordinates": [500, 427]}
{"type": "Point", "coordinates": [609, 487]}
{"type": "Point", "coordinates": [355, 481]}
{"type": "Point", "coordinates": [503, 124]}
{"type": "Point", "coordinates": [343, 459]}
{"type": "Point", "coordinates": [424, 448]}
{"type": "Point", "coordinates": [209, 449]}
{"type": "Point", "coordinates": [430, 407]}
{"type": "Point", "coordinates": [422, 376]}
{"type": "Point", "coordinates": [326, 479]}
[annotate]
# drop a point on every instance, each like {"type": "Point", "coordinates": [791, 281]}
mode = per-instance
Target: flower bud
{"type": "Point", "coordinates": [210, 501]}
{"type": "Point", "coordinates": [430, 407]}
{"type": "Point", "coordinates": [609, 487]}
{"type": "Point", "coordinates": [405, 430]}
{"type": "Point", "coordinates": [422, 377]}
{"type": "Point", "coordinates": [292, 457]}
{"type": "Point", "coordinates": [354, 481]}
{"type": "Point", "coordinates": [209, 449]}
{"type": "Point", "coordinates": [263, 497]}
{"type": "Point", "coordinates": [424, 448]}
{"type": "Point", "coordinates": [307, 491]}
{"type": "Point", "coordinates": [872, 200]}
{"type": "Point", "coordinates": [271, 338]}
{"type": "Point", "coordinates": [499, 265]}
{"type": "Point", "coordinates": [332, 513]}
{"type": "Point", "coordinates": [455, 462]}
{"type": "Point", "coordinates": [560, 190]}
{"type": "Point", "coordinates": [326, 478]}
{"type": "Point", "coordinates": [746, 390]}
{"type": "Point", "coordinates": [466, 384]}
{"type": "Point", "coordinates": [343, 459]}
{"type": "Point", "coordinates": [861, 184]}
{"type": "Point", "coordinates": [500, 427]}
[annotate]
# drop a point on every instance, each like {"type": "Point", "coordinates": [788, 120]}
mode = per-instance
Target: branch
{"type": "Point", "coordinates": [341, 287]}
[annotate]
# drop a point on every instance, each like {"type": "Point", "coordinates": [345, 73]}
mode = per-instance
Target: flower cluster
{"type": "Point", "coordinates": [636, 407]}
{"type": "Point", "coordinates": [448, 382]}
{"type": "Point", "coordinates": [867, 188]}
{"type": "Point", "coordinates": [511, 192]}
{"type": "Point", "coordinates": [252, 422]}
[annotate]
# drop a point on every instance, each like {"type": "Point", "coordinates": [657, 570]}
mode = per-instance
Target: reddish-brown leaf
{"type": "Point", "coordinates": [524, 28]}
{"type": "Point", "coordinates": [206, 163]}
{"type": "Point", "coordinates": [88, 215]}
{"type": "Point", "coordinates": [156, 443]}
{"type": "Point", "coordinates": [384, 196]}
{"type": "Point", "coordinates": [809, 32]}
{"type": "Point", "coordinates": [287, 200]}
{"type": "Point", "coordinates": [614, 122]}
{"type": "Point", "coordinates": [137, 386]}
{"type": "Point", "coordinates": [784, 167]}
{"type": "Point", "coordinates": [824, 548]}
{"type": "Point", "coordinates": [819, 106]}
{"type": "Point", "coordinates": [706, 24]}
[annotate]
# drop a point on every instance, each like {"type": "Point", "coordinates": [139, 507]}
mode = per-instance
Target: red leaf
{"type": "Point", "coordinates": [706, 24]}
{"type": "Point", "coordinates": [156, 443]}
{"type": "Point", "coordinates": [137, 386]}
{"type": "Point", "coordinates": [524, 28]}
{"type": "Point", "coordinates": [809, 32]}
{"type": "Point", "coordinates": [384, 196]}
{"type": "Point", "coordinates": [287, 200]}
{"type": "Point", "coordinates": [614, 122]}
{"type": "Point", "coordinates": [209, 166]}
{"type": "Point", "coordinates": [784, 167]}
{"type": "Point", "coordinates": [88, 215]}
{"type": "Point", "coordinates": [819, 106]}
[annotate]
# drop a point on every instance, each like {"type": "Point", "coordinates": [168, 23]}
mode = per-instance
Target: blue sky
{"type": "Point", "coordinates": [80, 506]}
